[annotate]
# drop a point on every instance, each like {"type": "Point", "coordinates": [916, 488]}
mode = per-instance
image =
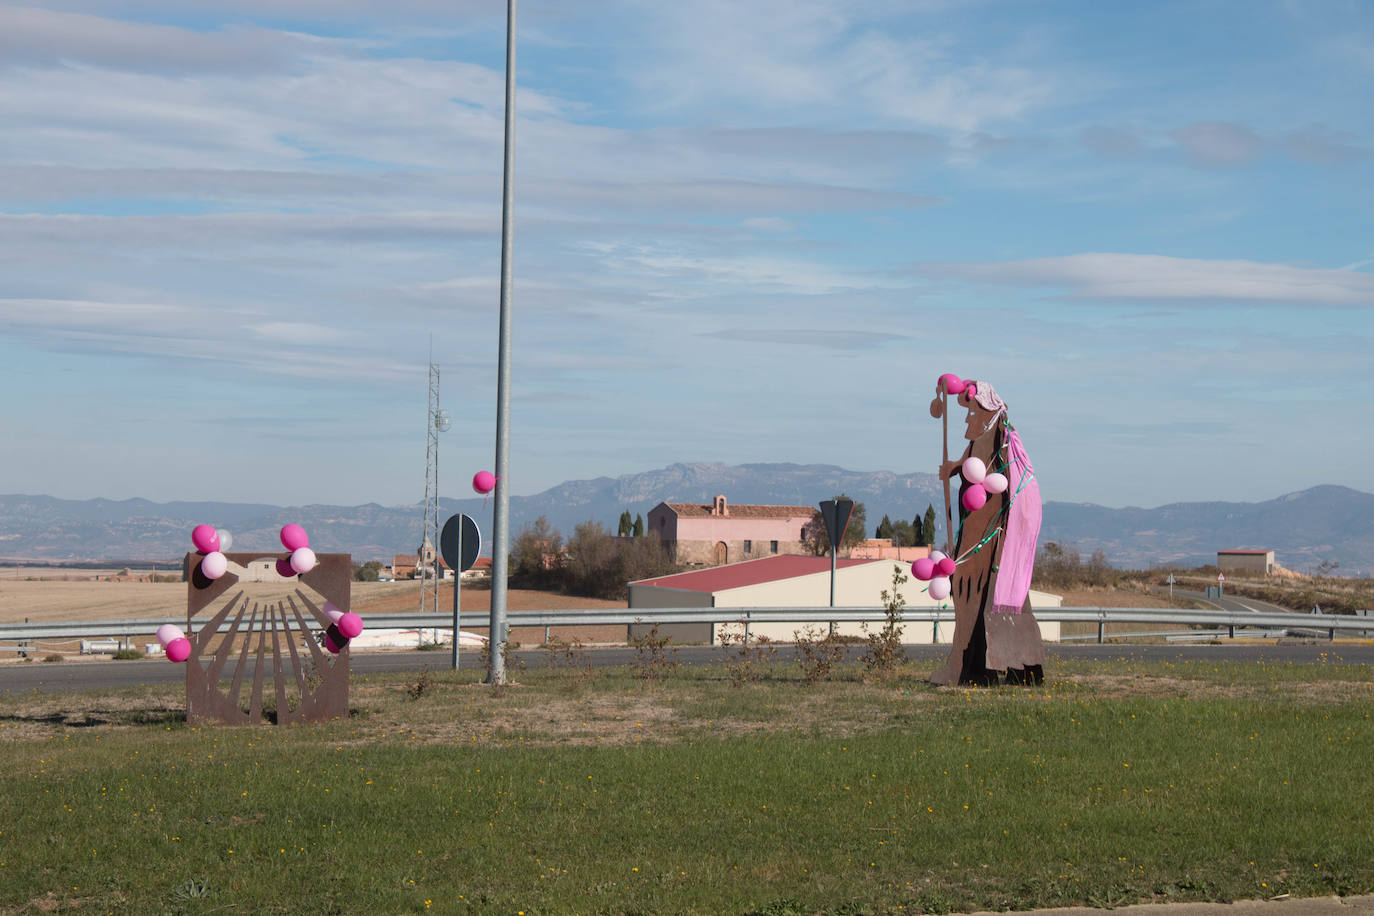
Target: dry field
{"type": "Point", "coordinates": [69, 598]}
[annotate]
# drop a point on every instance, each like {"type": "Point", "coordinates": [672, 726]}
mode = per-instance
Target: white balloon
{"type": "Point", "coordinates": [214, 565]}
{"type": "Point", "coordinates": [974, 470]}
{"type": "Point", "coordinates": [302, 559]}
{"type": "Point", "coordinates": [993, 483]}
{"type": "Point", "coordinates": [226, 540]}
{"type": "Point", "coordinates": [168, 632]}
{"type": "Point", "coordinates": [937, 555]}
{"type": "Point", "coordinates": [940, 587]}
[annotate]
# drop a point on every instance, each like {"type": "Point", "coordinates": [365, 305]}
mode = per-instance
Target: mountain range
{"type": "Point", "coordinates": [1325, 523]}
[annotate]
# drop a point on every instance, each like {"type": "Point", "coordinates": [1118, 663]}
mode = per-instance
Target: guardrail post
{"type": "Point", "coordinates": [935, 631]}
{"type": "Point", "coordinates": [546, 634]}
{"type": "Point", "coordinates": [1101, 630]}
{"type": "Point", "coordinates": [1232, 629]}
{"type": "Point", "coordinates": [746, 627]}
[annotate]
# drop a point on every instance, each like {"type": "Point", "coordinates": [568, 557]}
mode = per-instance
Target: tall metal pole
{"type": "Point", "coordinates": [500, 534]}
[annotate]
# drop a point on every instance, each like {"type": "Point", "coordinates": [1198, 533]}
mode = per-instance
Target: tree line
{"type": "Point", "coordinates": [919, 532]}
{"type": "Point", "coordinates": [593, 562]}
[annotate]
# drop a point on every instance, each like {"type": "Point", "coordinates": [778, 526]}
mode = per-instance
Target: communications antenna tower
{"type": "Point", "coordinates": [436, 421]}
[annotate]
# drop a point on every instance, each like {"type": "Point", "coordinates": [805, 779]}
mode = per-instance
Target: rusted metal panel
{"type": "Point", "coordinates": [308, 683]}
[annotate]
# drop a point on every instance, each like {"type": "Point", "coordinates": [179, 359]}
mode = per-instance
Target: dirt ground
{"type": "Point", "coordinates": [565, 709]}
{"type": "Point", "coordinates": [69, 598]}
{"type": "Point", "coordinates": [86, 595]}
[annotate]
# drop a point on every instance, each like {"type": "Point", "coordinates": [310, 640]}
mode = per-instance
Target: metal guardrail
{"type": "Point", "coordinates": [1231, 620]}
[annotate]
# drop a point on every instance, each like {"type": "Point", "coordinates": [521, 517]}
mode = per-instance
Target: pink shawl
{"type": "Point", "coordinates": [1017, 561]}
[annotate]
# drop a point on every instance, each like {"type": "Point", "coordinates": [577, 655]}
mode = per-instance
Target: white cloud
{"type": "Point", "coordinates": [833, 60]}
{"type": "Point", "coordinates": [1104, 276]}
{"type": "Point", "coordinates": [1318, 146]}
{"type": "Point", "coordinates": [837, 339]}
{"type": "Point", "coordinates": [1214, 143]}
{"type": "Point", "coordinates": [768, 224]}
{"type": "Point", "coordinates": [37, 36]}
{"type": "Point", "coordinates": [689, 273]}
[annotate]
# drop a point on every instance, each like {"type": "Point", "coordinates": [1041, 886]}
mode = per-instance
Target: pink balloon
{"type": "Point", "coordinates": [923, 569]}
{"type": "Point", "coordinates": [974, 498]}
{"type": "Point", "coordinates": [953, 384]}
{"type": "Point", "coordinates": [350, 625]}
{"type": "Point", "coordinates": [168, 632]}
{"type": "Point", "coordinates": [178, 650]}
{"type": "Point", "coordinates": [284, 568]}
{"type": "Point", "coordinates": [331, 645]}
{"type": "Point", "coordinates": [303, 559]}
{"type": "Point", "coordinates": [971, 389]}
{"type": "Point", "coordinates": [973, 470]}
{"type": "Point", "coordinates": [945, 566]}
{"type": "Point", "coordinates": [214, 565]}
{"type": "Point", "coordinates": [205, 538]}
{"type": "Point", "coordinates": [996, 483]}
{"type": "Point", "coordinates": [293, 537]}
{"type": "Point", "coordinates": [940, 587]}
{"type": "Point", "coordinates": [484, 482]}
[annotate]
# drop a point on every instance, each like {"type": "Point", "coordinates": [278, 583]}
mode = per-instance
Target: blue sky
{"type": "Point", "coordinates": [744, 233]}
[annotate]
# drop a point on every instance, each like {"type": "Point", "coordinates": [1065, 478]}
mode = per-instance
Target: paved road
{"type": "Point", "coordinates": [48, 678]}
{"type": "Point", "coordinates": [1230, 603]}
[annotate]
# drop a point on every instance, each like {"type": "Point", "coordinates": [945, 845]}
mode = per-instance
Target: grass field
{"type": "Point", "coordinates": [578, 792]}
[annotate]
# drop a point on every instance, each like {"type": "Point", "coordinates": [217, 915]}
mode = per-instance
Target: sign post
{"type": "Point", "coordinates": [1171, 587]}
{"type": "Point", "coordinates": [459, 542]}
{"type": "Point", "coordinates": [1221, 577]}
{"type": "Point", "coordinates": [835, 513]}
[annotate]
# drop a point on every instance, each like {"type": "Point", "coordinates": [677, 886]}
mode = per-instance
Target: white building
{"type": "Point", "coordinates": [797, 581]}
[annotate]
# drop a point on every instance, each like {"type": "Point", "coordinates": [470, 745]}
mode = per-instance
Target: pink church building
{"type": "Point", "coordinates": [718, 533]}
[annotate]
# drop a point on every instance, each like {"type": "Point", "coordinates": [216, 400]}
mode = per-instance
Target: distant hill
{"type": "Point", "coordinates": [1324, 523]}
{"type": "Point", "coordinates": [1328, 523]}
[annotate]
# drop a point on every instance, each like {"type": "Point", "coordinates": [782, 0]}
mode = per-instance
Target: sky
{"type": "Point", "coordinates": [233, 235]}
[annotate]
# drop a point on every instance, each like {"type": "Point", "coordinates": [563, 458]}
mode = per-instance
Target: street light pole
{"type": "Point", "coordinates": [500, 524]}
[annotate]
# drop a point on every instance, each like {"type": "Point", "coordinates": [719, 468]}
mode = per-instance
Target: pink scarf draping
{"type": "Point", "coordinates": [1017, 561]}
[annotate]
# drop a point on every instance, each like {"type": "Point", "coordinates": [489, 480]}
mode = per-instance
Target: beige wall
{"type": "Point", "coordinates": [1262, 563]}
{"type": "Point", "coordinates": [704, 552]}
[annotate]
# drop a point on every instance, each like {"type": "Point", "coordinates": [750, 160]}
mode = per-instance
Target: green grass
{"type": "Point", "coordinates": [1113, 784]}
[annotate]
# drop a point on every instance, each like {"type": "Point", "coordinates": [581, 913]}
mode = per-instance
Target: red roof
{"type": "Point", "coordinates": [751, 572]}
{"type": "Point", "coordinates": [697, 510]}
{"type": "Point", "coordinates": [1247, 552]}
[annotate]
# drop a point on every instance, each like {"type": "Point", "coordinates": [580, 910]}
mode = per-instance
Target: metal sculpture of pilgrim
{"type": "Point", "coordinates": [991, 552]}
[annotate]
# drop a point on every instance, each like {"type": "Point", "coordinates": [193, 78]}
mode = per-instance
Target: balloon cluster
{"type": "Point", "coordinates": [212, 543]}
{"type": "Point", "coordinates": [952, 384]}
{"type": "Point", "coordinates": [346, 626]}
{"type": "Point", "coordinates": [935, 569]}
{"type": "Point", "coordinates": [980, 482]}
{"type": "Point", "coordinates": [302, 559]}
{"type": "Point", "coordinates": [174, 642]}
{"type": "Point", "coordinates": [483, 482]}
